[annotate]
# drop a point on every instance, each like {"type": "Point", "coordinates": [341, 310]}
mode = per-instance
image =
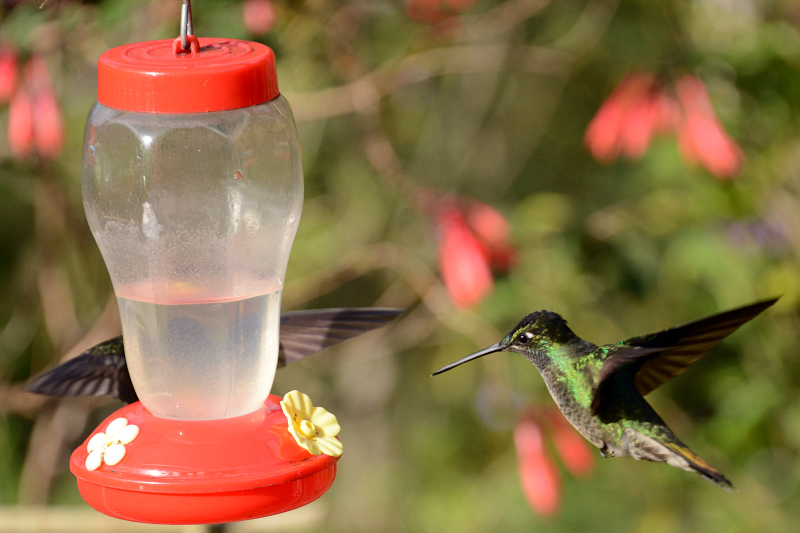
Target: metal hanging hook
{"type": "Point", "coordinates": [186, 24]}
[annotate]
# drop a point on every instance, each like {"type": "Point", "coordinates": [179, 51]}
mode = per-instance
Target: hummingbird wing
{"type": "Point", "coordinates": [103, 370]}
{"type": "Point", "coordinates": [307, 332]}
{"type": "Point", "coordinates": [98, 371]}
{"type": "Point", "coordinates": [656, 358]}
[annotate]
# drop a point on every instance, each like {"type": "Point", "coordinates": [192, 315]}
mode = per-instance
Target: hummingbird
{"type": "Point", "coordinates": [600, 389]}
{"type": "Point", "coordinates": [102, 370]}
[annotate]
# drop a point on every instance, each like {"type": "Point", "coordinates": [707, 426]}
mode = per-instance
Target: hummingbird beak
{"type": "Point", "coordinates": [499, 347]}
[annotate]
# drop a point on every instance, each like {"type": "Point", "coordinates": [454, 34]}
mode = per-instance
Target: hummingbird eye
{"type": "Point", "coordinates": [525, 338]}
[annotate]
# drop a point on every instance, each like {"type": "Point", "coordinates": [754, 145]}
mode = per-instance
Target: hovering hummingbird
{"type": "Point", "coordinates": [103, 370]}
{"type": "Point", "coordinates": [600, 389]}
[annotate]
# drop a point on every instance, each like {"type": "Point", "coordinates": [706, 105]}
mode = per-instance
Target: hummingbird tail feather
{"type": "Point", "coordinates": [699, 465]}
{"type": "Point", "coordinates": [667, 448]}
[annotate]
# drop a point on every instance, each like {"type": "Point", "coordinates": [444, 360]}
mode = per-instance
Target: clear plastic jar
{"type": "Point", "coordinates": [195, 215]}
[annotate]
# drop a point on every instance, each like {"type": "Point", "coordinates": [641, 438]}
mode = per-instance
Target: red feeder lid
{"type": "Point", "coordinates": [204, 472]}
{"type": "Point", "coordinates": [214, 75]}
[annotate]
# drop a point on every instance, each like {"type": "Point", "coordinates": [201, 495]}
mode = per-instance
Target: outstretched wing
{"type": "Point", "coordinates": [103, 369]}
{"type": "Point", "coordinates": [657, 358]}
{"type": "Point", "coordinates": [307, 332]}
{"type": "Point", "coordinates": [98, 371]}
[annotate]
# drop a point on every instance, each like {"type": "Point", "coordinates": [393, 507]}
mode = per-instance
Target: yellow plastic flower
{"type": "Point", "coordinates": [313, 428]}
{"type": "Point", "coordinates": [109, 447]}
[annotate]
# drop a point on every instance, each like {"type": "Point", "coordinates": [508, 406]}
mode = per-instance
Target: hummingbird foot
{"type": "Point", "coordinates": [606, 452]}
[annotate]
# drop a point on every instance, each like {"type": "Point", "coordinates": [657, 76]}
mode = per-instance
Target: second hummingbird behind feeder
{"type": "Point", "coordinates": [601, 389]}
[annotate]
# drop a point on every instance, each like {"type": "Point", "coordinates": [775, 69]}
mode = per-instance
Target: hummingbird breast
{"type": "Point", "coordinates": [572, 395]}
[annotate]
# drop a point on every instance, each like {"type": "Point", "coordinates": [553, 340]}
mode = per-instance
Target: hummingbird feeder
{"type": "Point", "coordinates": [193, 189]}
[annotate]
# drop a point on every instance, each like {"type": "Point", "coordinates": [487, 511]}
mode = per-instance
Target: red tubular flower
{"type": "Point", "coordinates": [425, 11]}
{"type": "Point", "coordinates": [20, 124]}
{"type": "Point", "coordinates": [639, 126]}
{"type": "Point", "coordinates": [540, 481]}
{"type": "Point", "coordinates": [48, 126]}
{"type": "Point", "coordinates": [473, 241]}
{"type": "Point", "coordinates": [8, 73]}
{"type": "Point", "coordinates": [627, 120]}
{"type": "Point", "coordinates": [458, 6]}
{"type": "Point", "coordinates": [602, 135]}
{"type": "Point", "coordinates": [538, 474]}
{"type": "Point", "coordinates": [462, 262]}
{"type": "Point", "coordinates": [640, 107]}
{"type": "Point", "coordinates": [48, 120]}
{"type": "Point", "coordinates": [259, 16]}
{"type": "Point", "coordinates": [701, 137]}
{"type": "Point", "coordinates": [493, 233]}
{"type": "Point", "coordinates": [433, 11]}
{"type": "Point", "coordinates": [571, 446]}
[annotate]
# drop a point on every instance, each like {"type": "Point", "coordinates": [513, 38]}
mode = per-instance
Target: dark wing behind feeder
{"type": "Point", "coordinates": [99, 371]}
{"type": "Point", "coordinates": [307, 332]}
{"type": "Point", "coordinates": [103, 370]}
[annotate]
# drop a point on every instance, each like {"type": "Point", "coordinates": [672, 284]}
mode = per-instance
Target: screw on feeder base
{"type": "Point", "coordinates": [186, 25]}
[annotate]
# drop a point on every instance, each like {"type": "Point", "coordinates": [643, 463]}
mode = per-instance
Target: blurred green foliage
{"type": "Point", "coordinates": [490, 103]}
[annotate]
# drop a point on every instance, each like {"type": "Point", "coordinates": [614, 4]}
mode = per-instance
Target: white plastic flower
{"type": "Point", "coordinates": [109, 447]}
{"type": "Point", "coordinates": [313, 428]}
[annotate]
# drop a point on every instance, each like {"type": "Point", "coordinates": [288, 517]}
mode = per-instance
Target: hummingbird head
{"type": "Point", "coordinates": [531, 337]}
{"type": "Point", "coordinates": [536, 332]}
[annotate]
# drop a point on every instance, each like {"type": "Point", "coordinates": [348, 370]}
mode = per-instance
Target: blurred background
{"type": "Point", "coordinates": [629, 164]}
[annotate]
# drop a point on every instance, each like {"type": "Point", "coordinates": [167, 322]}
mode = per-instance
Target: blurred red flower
{"type": "Point", "coordinates": [701, 137]}
{"type": "Point", "coordinates": [462, 261]}
{"type": "Point", "coordinates": [571, 446]}
{"type": "Point", "coordinates": [537, 470]}
{"type": "Point", "coordinates": [48, 125]}
{"type": "Point", "coordinates": [641, 106]}
{"type": "Point", "coordinates": [433, 11]}
{"type": "Point", "coordinates": [473, 240]}
{"type": "Point", "coordinates": [258, 16]}
{"type": "Point", "coordinates": [539, 477]}
{"type": "Point", "coordinates": [8, 73]}
{"type": "Point", "coordinates": [34, 117]}
{"type": "Point", "coordinates": [48, 120]}
{"type": "Point", "coordinates": [628, 119]}
{"type": "Point", "coordinates": [20, 124]}
{"type": "Point", "coordinates": [493, 233]}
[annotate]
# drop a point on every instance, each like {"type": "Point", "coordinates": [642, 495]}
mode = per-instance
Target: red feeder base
{"type": "Point", "coordinates": [206, 472]}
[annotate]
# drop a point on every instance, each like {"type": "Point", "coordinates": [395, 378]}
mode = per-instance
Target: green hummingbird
{"type": "Point", "coordinates": [601, 389]}
{"type": "Point", "coordinates": [103, 370]}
